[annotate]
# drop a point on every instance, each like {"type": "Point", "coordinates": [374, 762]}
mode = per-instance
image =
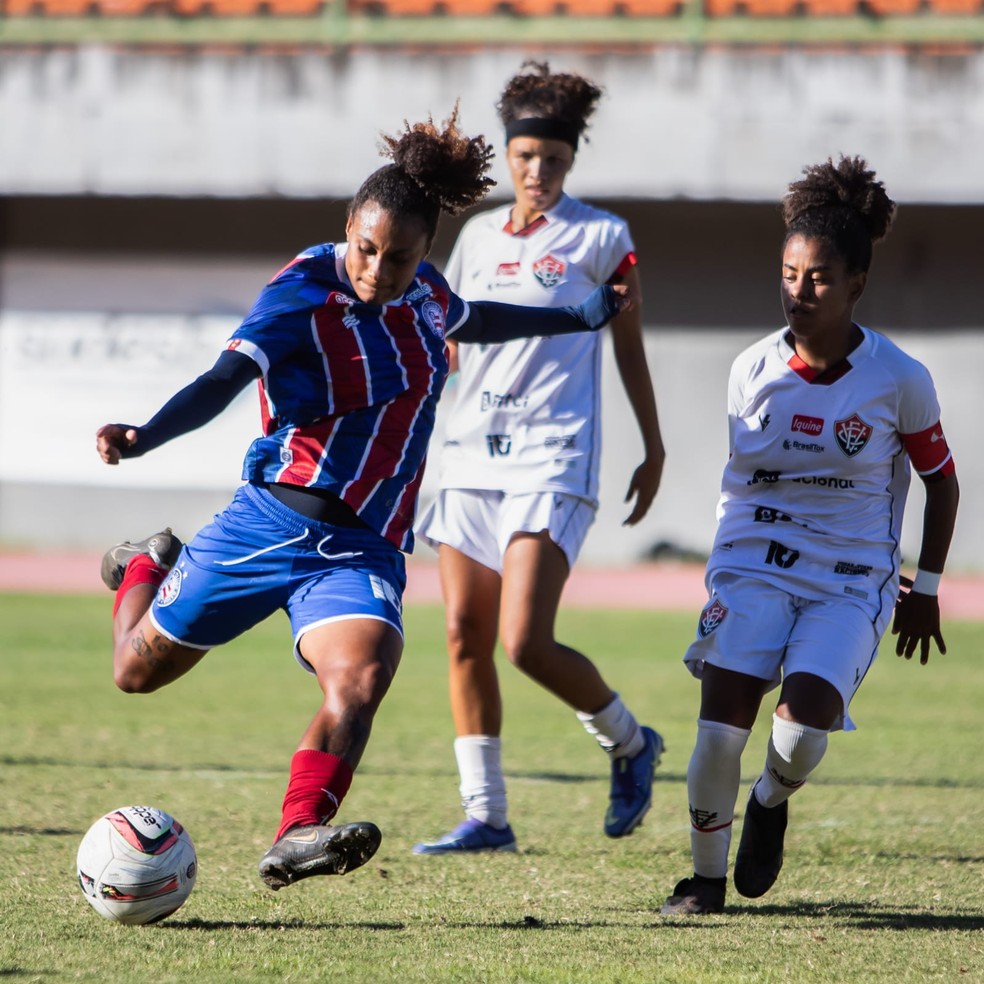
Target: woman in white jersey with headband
{"type": "Point", "coordinates": [824, 417]}
{"type": "Point", "coordinates": [519, 468]}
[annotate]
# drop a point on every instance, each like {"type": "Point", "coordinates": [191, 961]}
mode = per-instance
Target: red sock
{"type": "Point", "coordinates": [140, 570]}
{"type": "Point", "coordinates": [318, 784]}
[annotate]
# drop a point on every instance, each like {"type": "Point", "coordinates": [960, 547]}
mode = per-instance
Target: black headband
{"type": "Point", "coordinates": [544, 127]}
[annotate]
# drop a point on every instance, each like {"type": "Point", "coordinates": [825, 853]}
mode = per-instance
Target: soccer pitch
{"type": "Point", "coordinates": [884, 862]}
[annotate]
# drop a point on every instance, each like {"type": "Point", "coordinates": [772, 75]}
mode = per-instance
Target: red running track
{"type": "Point", "coordinates": [664, 586]}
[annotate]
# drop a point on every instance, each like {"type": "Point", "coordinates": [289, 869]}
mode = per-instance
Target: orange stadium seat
{"type": "Point", "coordinates": [425, 8]}
{"type": "Point", "coordinates": [831, 8]}
{"type": "Point", "coordinates": [753, 8]}
{"type": "Point", "coordinates": [892, 8]}
{"type": "Point", "coordinates": [957, 6]}
{"type": "Point", "coordinates": [598, 8]}
{"type": "Point", "coordinates": [47, 8]}
{"type": "Point", "coordinates": [246, 8]}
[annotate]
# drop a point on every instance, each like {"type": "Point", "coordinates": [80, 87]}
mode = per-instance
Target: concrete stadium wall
{"type": "Point", "coordinates": [705, 123]}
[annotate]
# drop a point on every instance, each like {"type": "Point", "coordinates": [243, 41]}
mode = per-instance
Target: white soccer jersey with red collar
{"type": "Point", "coordinates": [815, 487]}
{"type": "Point", "coordinates": [527, 414]}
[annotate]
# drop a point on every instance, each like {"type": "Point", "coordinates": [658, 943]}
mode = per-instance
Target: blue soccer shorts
{"type": "Point", "coordinates": [258, 556]}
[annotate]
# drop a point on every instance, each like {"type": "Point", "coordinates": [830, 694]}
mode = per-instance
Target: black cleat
{"type": "Point", "coordinates": [696, 896]}
{"type": "Point", "coordinates": [162, 548]}
{"type": "Point", "coordinates": [759, 858]}
{"type": "Point", "coordinates": [318, 849]}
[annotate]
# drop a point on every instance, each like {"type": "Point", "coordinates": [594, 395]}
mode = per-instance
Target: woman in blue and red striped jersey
{"type": "Point", "coordinates": [348, 343]}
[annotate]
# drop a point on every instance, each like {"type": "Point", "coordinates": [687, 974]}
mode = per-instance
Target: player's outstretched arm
{"type": "Point", "coordinates": [491, 322]}
{"type": "Point", "coordinates": [917, 612]}
{"type": "Point", "coordinates": [190, 408]}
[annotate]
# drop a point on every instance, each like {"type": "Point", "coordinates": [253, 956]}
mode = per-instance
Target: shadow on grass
{"type": "Point", "coordinates": [209, 925]}
{"type": "Point", "coordinates": [41, 832]}
{"type": "Point", "coordinates": [867, 915]}
{"type": "Point", "coordinates": [876, 782]}
{"type": "Point", "coordinates": [24, 972]}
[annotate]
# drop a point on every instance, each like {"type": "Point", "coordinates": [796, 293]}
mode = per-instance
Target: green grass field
{"type": "Point", "coordinates": [885, 854]}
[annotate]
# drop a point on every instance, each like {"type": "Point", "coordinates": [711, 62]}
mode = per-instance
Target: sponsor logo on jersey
{"type": "Point", "coordinates": [766, 477]}
{"type": "Point", "coordinates": [710, 618]}
{"type": "Point", "coordinates": [433, 315]}
{"type": "Point", "coordinates": [823, 482]}
{"type": "Point", "coordinates": [549, 270]}
{"type": "Point", "coordinates": [854, 593]}
{"type": "Point", "coordinates": [764, 420]}
{"type": "Point", "coordinates": [846, 567]}
{"type": "Point", "coordinates": [503, 401]}
{"type": "Point", "coordinates": [351, 321]}
{"type": "Point", "coordinates": [806, 425]}
{"type": "Point", "coordinates": [169, 590]}
{"type": "Point", "coordinates": [794, 445]}
{"type": "Point", "coordinates": [766, 514]}
{"type": "Point", "coordinates": [339, 298]}
{"type": "Point", "coordinates": [499, 445]}
{"type": "Point", "coordinates": [560, 442]}
{"type": "Point", "coordinates": [779, 555]}
{"type": "Point", "coordinates": [286, 456]}
{"type": "Point", "coordinates": [852, 434]}
{"type": "Point", "coordinates": [424, 290]}
{"type": "Point", "coordinates": [506, 275]}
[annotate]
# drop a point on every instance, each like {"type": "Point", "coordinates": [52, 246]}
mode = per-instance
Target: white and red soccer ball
{"type": "Point", "coordinates": [136, 865]}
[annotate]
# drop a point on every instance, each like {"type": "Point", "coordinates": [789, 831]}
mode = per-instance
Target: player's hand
{"type": "Point", "coordinates": [113, 441]}
{"type": "Point", "coordinates": [917, 620]}
{"type": "Point", "coordinates": [623, 297]}
{"type": "Point", "coordinates": [644, 486]}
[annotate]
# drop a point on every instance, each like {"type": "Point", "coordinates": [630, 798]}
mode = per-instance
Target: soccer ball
{"type": "Point", "coordinates": [136, 865]}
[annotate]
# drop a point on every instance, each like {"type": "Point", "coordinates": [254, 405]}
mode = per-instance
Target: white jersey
{"type": "Point", "coordinates": [813, 493]}
{"type": "Point", "coordinates": [527, 414]}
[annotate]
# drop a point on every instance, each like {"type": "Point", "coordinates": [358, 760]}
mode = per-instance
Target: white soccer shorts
{"type": "Point", "coordinates": [480, 523]}
{"type": "Point", "coordinates": [756, 628]}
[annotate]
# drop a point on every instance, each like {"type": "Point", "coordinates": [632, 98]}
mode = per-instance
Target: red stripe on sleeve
{"type": "Point", "coordinates": [929, 451]}
{"type": "Point", "coordinates": [623, 268]}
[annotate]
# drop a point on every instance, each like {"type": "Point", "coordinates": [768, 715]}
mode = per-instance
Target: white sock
{"type": "Point", "coordinates": [794, 752]}
{"type": "Point", "coordinates": [483, 787]}
{"type": "Point", "coordinates": [713, 776]}
{"type": "Point", "coordinates": [614, 728]}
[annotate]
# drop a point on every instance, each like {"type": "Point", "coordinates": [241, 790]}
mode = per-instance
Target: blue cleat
{"type": "Point", "coordinates": [632, 786]}
{"type": "Point", "coordinates": [471, 837]}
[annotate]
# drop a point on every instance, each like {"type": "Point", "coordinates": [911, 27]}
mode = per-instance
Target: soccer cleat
{"type": "Point", "coordinates": [318, 849]}
{"type": "Point", "coordinates": [162, 548]}
{"type": "Point", "coordinates": [471, 837]}
{"type": "Point", "coordinates": [696, 896]}
{"type": "Point", "coordinates": [759, 858]}
{"type": "Point", "coordinates": [632, 786]}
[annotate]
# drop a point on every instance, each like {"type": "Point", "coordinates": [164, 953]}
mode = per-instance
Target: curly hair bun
{"type": "Point", "coordinates": [849, 184]}
{"type": "Point", "coordinates": [449, 168]}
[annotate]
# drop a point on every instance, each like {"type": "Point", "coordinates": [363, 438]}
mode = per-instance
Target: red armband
{"type": "Point", "coordinates": [929, 451]}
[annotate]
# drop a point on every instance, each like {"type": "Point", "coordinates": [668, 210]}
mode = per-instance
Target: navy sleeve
{"type": "Point", "coordinates": [198, 403]}
{"type": "Point", "coordinates": [491, 322]}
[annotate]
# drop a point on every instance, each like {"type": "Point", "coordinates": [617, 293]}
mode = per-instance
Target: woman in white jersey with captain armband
{"type": "Point", "coordinates": [519, 468]}
{"type": "Point", "coordinates": [824, 417]}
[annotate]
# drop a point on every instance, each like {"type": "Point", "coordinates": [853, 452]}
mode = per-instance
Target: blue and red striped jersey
{"type": "Point", "coordinates": [348, 390]}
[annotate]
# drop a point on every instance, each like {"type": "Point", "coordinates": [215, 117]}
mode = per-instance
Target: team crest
{"type": "Point", "coordinates": [710, 618]}
{"type": "Point", "coordinates": [549, 270]}
{"type": "Point", "coordinates": [852, 434]}
{"type": "Point", "coordinates": [168, 592]}
{"type": "Point", "coordinates": [433, 315]}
